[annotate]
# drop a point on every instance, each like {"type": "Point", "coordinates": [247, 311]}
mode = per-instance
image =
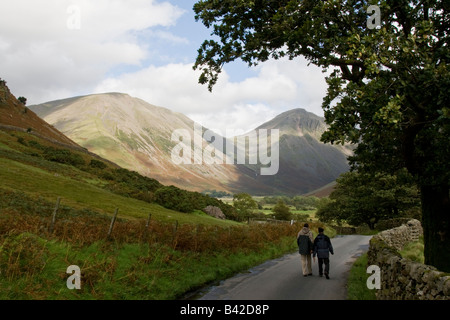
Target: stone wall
{"type": "Point", "coordinates": [403, 279]}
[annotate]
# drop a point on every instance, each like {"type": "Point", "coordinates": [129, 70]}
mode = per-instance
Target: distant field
{"type": "Point", "coordinates": [267, 208]}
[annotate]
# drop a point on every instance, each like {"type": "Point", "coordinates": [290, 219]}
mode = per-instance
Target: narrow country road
{"type": "Point", "coordinates": [282, 279]}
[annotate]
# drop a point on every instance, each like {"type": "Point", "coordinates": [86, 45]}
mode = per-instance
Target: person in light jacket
{"type": "Point", "coordinates": [323, 248]}
{"type": "Point", "coordinates": [305, 248]}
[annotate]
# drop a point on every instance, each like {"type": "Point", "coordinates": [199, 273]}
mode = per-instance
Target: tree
{"type": "Point", "coordinates": [361, 198]}
{"type": "Point", "coordinates": [244, 205]}
{"type": "Point", "coordinates": [281, 211]}
{"type": "Point", "coordinates": [388, 91]}
{"type": "Point", "coordinates": [22, 100]}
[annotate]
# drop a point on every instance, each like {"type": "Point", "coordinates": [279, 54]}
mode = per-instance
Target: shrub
{"type": "Point", "coordinates": [174, 198]}
{"type": "Point", "coordinates": [36, 145]}
{"type": "Point", "coordinates": [63, 156]}
{"type": "Point", "coordinates": [22, 141]}
{"type": "Point", "coordinates": [22, 100]}
{"type": "Point", "coordinates": [97, 164]}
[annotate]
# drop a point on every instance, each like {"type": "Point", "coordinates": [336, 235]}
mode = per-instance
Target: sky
{"type": "Point", "coordinates": [56, 49]}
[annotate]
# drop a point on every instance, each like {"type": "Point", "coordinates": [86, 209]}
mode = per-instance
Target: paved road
{"type": "Point", "coordinates": [282, 279]}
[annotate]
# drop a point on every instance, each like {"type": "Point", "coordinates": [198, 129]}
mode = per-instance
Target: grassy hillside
{"type": "Point", "coordinates": [163, 260]}
{"type": "Point", "coordinates": [160, 261]}
{"type": "Point", "coordinates": [23, 168]}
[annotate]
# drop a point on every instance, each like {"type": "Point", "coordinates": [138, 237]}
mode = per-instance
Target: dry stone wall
{"type": "Point", "coordinates": [403, 279]}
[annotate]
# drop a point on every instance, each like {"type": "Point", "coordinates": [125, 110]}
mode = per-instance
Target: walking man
{"type": "Point", "coordinates": [305, 248]}
{"type": "Point", "coordinates": [323, 248]}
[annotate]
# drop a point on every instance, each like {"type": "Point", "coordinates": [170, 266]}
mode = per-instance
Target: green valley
{"type": "Point", "coordinates": [175, 254]}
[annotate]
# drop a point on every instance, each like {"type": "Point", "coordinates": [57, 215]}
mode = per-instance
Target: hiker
{"type": "Point", "coordinates": [323, 248]}
{"type": "Point", "coordinates": [305, 248]}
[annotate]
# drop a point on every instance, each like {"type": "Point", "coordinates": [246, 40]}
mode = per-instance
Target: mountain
{"type": "Point", "coordinates": [134, 134]}
{"type": "Point", "coordinates": [138, 136]}
{"type": "Point", "coordinates": [306, 164]}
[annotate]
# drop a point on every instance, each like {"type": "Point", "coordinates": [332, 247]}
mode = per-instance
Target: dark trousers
{"type": "Point", "coordinates": [325, 261]}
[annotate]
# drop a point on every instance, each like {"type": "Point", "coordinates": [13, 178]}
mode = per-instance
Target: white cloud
{"type": "Point", "coordinates": [44, 58]}
{"type": "Point", "coordinates": [236, 120]}
{"type": "Point", "coordinates": [39, 46]}
{"type": "Point", "coordinates": [277, 86]}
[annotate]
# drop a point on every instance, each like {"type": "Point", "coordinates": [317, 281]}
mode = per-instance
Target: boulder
{"type": "Point", "coordinates": [214, 212]}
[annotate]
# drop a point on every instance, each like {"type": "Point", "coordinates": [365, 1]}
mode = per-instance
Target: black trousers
{"type": "Point", "coordinates": [325, 261]}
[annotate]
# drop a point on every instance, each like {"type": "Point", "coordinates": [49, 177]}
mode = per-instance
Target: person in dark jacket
{"type": "Point", "coordinates": [323, 248]}
{"type": "Point", "coordinates": [305, 248]}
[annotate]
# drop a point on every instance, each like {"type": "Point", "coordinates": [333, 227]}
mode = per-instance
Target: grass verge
{"type": "Point", "coordinates": [34, 268]}
{"type": "Point", "coordinates": [357, 281]}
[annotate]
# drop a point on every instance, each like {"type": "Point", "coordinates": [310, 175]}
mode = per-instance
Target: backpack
{"type": "Point", "coordinates": [322, 246]}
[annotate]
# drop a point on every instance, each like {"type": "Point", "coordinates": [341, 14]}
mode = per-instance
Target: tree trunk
{"type": "Point", "coordinates": [436, 226]}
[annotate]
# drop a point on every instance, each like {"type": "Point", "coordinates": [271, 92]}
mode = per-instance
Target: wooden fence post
{"type": "Point", "coordinates": [174, 234]}
{"type": "Point", "coordinates": [147, 224]}
{"type": "Point", "coordinates": [112, 222]}
{"type": "Point", "coordinates": [55, 211]}
{"type": "Point", "coordinates": [196, 237]}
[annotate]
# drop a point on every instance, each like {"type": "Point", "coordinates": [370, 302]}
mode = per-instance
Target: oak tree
{"type": "Point", "coordinates": [365, 198]}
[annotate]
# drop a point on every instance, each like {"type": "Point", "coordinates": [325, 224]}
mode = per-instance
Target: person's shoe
{"type": "Point", "coordinates": [320, 275]}
{"type": "Point", "coordinates": [305, 275]}
{"type": "Point", "coordinates": [309, 274]}
{"type": "Point", "coordinates": [326, 276]}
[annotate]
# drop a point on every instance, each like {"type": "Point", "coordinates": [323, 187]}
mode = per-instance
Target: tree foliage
{"type": "Point", "coordinates": [361, 198]}
{"type": "Point", "coordinates": [174, 198]}
{"type": "Point", "coordinates": [281, 211]}
{"type": "Point", "coordinates": [388, 90]}
{"type": "Point", "coordinates": [22, 100]}
{"type": "Point", "coordinates": [299, 202]}
{"type": "Point", "coordinates": [244, 205]}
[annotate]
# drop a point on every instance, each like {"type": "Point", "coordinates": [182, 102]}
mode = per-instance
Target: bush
{"type": "Point", "coordinates": [36, 145]}
{"type": "Point", "coordinates": [177, 199]}
{"type": "Point", "coordinates": [22, 141]}
{"type": "Point", "coordinates": [97, 164]}
{"type": "Point", "coordinates": [174, 198]}
{"type": "Point", "coordinates": [22, 100]}
{"type": "Point", "coordinates": [63, 156]}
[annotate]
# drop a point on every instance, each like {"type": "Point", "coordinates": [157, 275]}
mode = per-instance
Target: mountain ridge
{"type": "Point", "coordinates": [137, 135]}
